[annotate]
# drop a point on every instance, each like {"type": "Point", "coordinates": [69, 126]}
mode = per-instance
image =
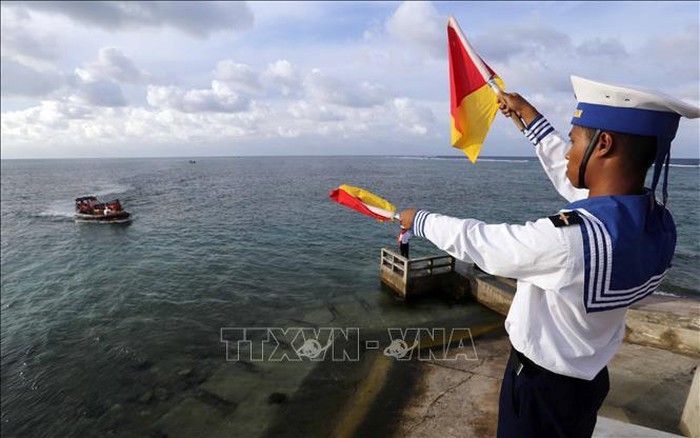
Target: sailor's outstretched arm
{"type": "Point", "coordinates": [536, 252]}
{"type": "Point", "coordinates": [550, 147]}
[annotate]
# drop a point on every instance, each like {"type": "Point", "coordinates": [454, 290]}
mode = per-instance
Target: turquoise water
{"type": "Point", "coordinates": [90, 311]}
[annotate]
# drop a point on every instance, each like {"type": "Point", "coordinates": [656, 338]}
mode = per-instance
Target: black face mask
{"type": "Point", "coordinates": [586, 157]}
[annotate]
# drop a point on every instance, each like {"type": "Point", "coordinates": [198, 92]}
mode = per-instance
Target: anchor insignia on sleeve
{"type": "Point", "coordinates": [565, 218]}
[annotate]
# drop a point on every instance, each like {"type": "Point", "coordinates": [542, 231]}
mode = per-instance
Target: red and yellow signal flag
{"type": "Point", "coordinates": [473, 87]}
{"type": "Point", "coordinates": [364, 202]}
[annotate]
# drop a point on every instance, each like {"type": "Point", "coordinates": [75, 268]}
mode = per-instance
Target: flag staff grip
{"type": "Point", "coordinates": [479, 64]}
{"type": "Point", "coordinates": [514, 117]}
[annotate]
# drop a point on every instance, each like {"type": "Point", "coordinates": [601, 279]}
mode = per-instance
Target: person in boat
{"type": "Point", "coordinates": [580, 269]}
{"type": "Point", "coordinates": [83, 207]}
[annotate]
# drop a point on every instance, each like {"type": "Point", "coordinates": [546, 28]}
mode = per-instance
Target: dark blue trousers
{"type": "Point", "coordinates": [539, 403]}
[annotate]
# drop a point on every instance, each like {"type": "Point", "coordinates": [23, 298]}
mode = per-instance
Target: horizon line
{"type": "Point", "coordinates": [286, 156]}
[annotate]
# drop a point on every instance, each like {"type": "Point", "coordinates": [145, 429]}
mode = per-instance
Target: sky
{"type": "Point", "coordinates": [162, 79]}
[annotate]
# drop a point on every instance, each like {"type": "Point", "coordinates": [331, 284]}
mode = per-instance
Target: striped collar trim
{"type": "Point", "coordinates": [598, 260]}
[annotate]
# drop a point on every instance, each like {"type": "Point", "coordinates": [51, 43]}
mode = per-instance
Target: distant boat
{"type": "Point", "coordinates": [192, 161]}
{"type": "Point", "coordinates": [91, 209]}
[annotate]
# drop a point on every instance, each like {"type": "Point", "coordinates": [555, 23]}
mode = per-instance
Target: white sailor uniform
{"type": "Point", "coordinates": [577, 271]}
{"type": "Point", "coordinates": [568, 314]}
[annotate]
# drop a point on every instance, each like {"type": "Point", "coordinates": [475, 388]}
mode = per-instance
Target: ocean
{"type": "Point", "coordinates": [95, 316]}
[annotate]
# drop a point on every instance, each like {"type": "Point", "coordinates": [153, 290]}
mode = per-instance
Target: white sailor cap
{"type": "Point", "coordinates": [621, 108]}
{"type": "Point", "coordinates": [628, 110]}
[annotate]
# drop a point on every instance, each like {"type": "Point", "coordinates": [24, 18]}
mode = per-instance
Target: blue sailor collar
{"type": "Point", "coordinates": [628, 244]}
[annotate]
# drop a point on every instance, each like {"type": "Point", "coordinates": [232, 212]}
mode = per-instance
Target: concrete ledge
{"type": "Point", "coordinates": [649, 386]}
{"type": "Point", "coordinates": [609, 428]}
{"type": "Point", "coordinates": [690, 420]}
{"type": "Point", "coordinates": [672, 324]}
{"type": "Point", "coordinates": [488, 290]}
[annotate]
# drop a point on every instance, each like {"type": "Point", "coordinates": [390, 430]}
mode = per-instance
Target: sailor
{"type": "Point", "coordinates": [404, 241]}
{"type": "Point", "coordinates": [580, 269]}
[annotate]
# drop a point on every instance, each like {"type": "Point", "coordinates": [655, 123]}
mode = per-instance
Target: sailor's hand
{"type": "Point", "coordinates": [406, 218]}
{"type": "Point", "coordinates": [513, 103]}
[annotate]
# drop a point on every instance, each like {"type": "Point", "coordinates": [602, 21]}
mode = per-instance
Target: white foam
{"type": "Point", "coordinates": [55, 213]}
{"type": "Point", "coordinates": [666, 294]}
{"type": "Point", "coordinates": [59, 209]}
{"type": "Point", "coordinates": [115, 221]}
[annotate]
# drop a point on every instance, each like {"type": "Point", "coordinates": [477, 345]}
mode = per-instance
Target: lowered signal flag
{"type": "Point", "coordinates": [364, 202]}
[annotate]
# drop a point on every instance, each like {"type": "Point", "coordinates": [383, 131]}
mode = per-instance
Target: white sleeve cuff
{"type": "Point", "coordinates": [419, 222]}
{"type": "Point", "coordinates": [538, 129]}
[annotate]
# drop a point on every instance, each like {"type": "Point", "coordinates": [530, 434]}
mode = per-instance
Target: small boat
{"type": "Point", "coordinates": [91, 209]}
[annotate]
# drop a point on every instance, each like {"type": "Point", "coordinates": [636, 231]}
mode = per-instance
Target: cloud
{"type": "Point", "coordinates": [72, 126]}
{"type": "Point", "coordinates": [98, 83]}
{"type": "Point", "coordinates": [284, 75]}
{"type": "Point", "coordinates": [688, 91]}
{"type": "Point", "coordinates": [308, 111]}
{"type": "Point", "coordinates": [420, 24]}
{"type": "Point", "coordinates": [323, 88]}
{"type": "Point", "coordinates": [238, 76]}
{"type": "Point", "coordinates": [77, 127]}
{"type": "Point", "coordinates": [597, 47]}
{"type": "Point", "coordinates": [194, 18]}
{"type": "Point", "coordinates": [533, 74]}
{"type": "Point", "coordinates": [684, 44]}
{"type": "Point", "coordinates": [21, 80]}
{"type": "Point", "coordinates": [99, 93]}
{"type": "Point", "coordinates": [539, 58]}
{"type": "Point", "coordinates": [524, 41]}
{"type": "Point", "coordinates": [112, 64]}
{"type": "Point", "coordinates": [219, 98]}
{"type": "Point", "coordinates": [676, 55]}
{"type": "Point", "coordinates": [43, 120]}
{"type": "Point", "coordinates": [288, 132]}
{"type": "Point", "coordinates": [19, 43]}
{"type": "Point", "coordinates": [413, 117]}
{"type": "Point", "coordinates": [93, 85]}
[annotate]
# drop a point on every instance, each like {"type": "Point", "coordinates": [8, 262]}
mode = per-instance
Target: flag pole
{"type": "Point", "coordinates": [479, 64]}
